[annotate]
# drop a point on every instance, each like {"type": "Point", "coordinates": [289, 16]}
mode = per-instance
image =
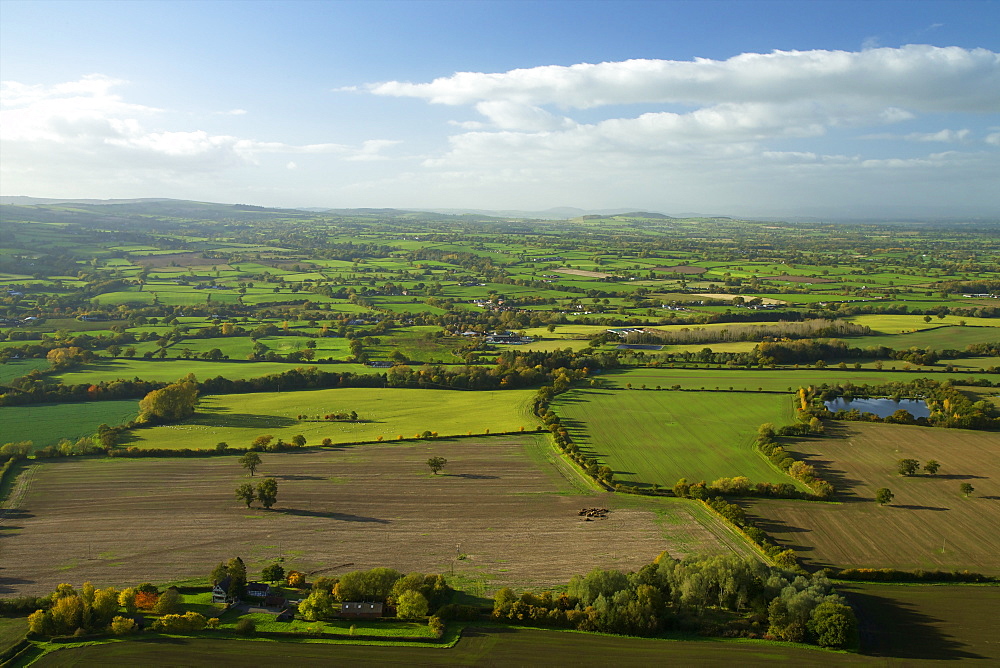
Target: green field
{"type": "Point", "coordinates": [927, 624]}
{"type": "Point", "coordinates": [17, 368]}
{"type": "Point", "coordinates": [661, 436]}
{"type": "Point", "coordinates": [772, 380]}
{"type": "Point", "coordinates": [12, 630]}
{"type": "Point", "coordinates": [492, 646]}
{"type": "Point", "coordinates": [45, 424]}
{"type": "Point", "coordinates": [239, 418]}
{"type": "Point", "coordinates": [170, 370]}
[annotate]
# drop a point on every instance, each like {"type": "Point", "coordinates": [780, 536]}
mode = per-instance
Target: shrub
{"type": "Point", "coordinates": [123, 626]}
{"type": "Point", "coordinates": [246, 626]}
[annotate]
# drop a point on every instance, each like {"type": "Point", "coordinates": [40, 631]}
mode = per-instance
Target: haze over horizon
{"type": "Point", "coordinates": [835, 109]}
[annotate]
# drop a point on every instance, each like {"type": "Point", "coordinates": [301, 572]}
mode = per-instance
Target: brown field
{"type": "Point", "coordinates": [681, 269]}
{"type": "Point", "coordinates": [191, 259]}
{"type": "Point", "coordinates": [509, 504]}
{"type": "Point", "coordinates": [582, 272]}
{"type": "Point", "coordinates": [725, 297]}
{"type": "Point", "coordinates": [928, 525]}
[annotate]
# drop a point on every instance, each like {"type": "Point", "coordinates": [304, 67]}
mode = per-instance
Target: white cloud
{"type": "Point", "coordinates": [746, 124]}
{"type": "Point", "coordinates": [86, 123]}
{"type": "Point", "coordinates": [948, 136]}
{"type": "Point", "coordinates": [919, 77]}
{"type": "Point", "coordinates": [993, 138]}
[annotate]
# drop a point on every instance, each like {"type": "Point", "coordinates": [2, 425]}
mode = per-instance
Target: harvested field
{"type": "Point", "coordinates": [724, 297]}
{"type": "Point", "coordinates": [509, 504]}
{"type": "Point", "coordinates": [681, 269]}
{"type": "Point", "coordinates": [581, 272]}
{"type": "Point", "coordinates": [928, 525]}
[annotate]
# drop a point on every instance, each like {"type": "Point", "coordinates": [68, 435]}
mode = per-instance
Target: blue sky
{"type": "Point", "coordinates": [735, 108]}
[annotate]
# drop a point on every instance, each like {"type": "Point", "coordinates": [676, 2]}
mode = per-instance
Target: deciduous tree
{"type": "Point", "coordinates": [267, 492]}
{"type": "Point", "coordinates": [245, 493]}
{"type": "Point", "coordinates": [174, 402]}
{"type": "Point", "coordinates": [436, 464]}
{"type": "Point", "coordinates": [932, 466]}
{"type": "Point", "coordinates": [250, 461]}
{"type": "Point", "coordinates": [907, 467]}
{"type": "Point", "coordinates": [966, 489]}
{"type": "Point", "coordinates": [883, 495]}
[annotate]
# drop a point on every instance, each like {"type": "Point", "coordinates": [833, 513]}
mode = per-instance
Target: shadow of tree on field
{"type": "Point", "coordinates": [907, 506]}
{"type": "Point", "coordinates": [223, 418]}
{"type": "Point", "coordinates": [298, 476]}
{"type": "Point", "coordinates": [7, 585]}
{"type": "Point", "coordinates": [892, 628]}
{"type": "Point", "coordinates": [956, 476]}
{"type": "Point", "coordinates": [343, 517]}
{"type": "Point", "coordinates": [836, 477]}
{"type": "Point", "coordinates": [471, 476]}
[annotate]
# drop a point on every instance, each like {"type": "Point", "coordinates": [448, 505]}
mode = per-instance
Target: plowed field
{"type": "Point", "coordinates": [507, 504]}
{"type": "Point", "coordinates": [928, 525]}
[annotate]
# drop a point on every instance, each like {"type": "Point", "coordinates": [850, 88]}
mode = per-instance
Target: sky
{"type": "Point", "coordinates": [871, 109]}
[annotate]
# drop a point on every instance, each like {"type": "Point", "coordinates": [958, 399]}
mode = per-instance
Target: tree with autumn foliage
{"type": "Point", "coordinates": [171, 403]}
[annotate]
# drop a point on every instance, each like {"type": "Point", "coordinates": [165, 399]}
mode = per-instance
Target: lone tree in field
{"type": "Point", "coordinates": [966, 489]}
{"type": "Point", "coordinates": [245, 493]}
{"type": "Point", "coordinates": [436, 463]}
{"type": "Point", "coordinates": [250, 461]}
{"type": "Point", "coordinates": [267, 492]}
{"type": "Point", "coordinates": [883, 496]}
{"type": "Point", "coordinates": [907, 467]}
{"type": "Point", "coordinates": [932, 466]}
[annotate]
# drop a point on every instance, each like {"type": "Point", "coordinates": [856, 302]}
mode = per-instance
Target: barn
{"type": "Point", "coordinates": [357, 610]}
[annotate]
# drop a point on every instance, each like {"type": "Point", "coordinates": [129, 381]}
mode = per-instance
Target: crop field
{"type": "Point", "coordinates": [45, 424]}
{"type": "Point", "coordinates": [240, 418]}
{"type": "Point", "coordinates": [12, 629]}
{"type": "Point", "coordinates": [489, 646]}
{"type": "Point", "coordinates": [939, 338]}
{"type": "Point", "coordinates": [17, 368]}
{"type": "Point", "coordinates": [659, 437]}
{"type": "Point", "coordinates": [769, 380]}
{"type": "Point", "coordinates": [169, 371]}
{"type": "Point", "coordinates": [927, 624]}
{"type": "Point", "coordinates": [929, 524]}
{"type": "Point", "coordinates": [508, 504]}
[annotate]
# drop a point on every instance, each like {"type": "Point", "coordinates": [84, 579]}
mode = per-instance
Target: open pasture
{"type": "Point", "coordinates": [661, 436]}
{"type": "Point", "coordinates": [387, 412]}
{"type": "Point", "coordinates": [946, 337]}
{"type": "Point", "coordinates": [17, 368]}
{"type": "Point", "coordinates": [46, 424]}
{"type": "Point", "coordinates": [491, 646]}
{"type": "Point", "coordinates": [770, 380]}
{"type": "Point", "coordinates": [509, 504]}
{"type": "Point", "coordinates": [929, 524]}
{"type": "Point", "coordinates": [169, 371]}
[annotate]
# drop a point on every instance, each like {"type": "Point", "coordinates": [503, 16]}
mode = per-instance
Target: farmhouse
{"type": "Point", "coordinates": [258, 590]}
{"type": "Point", "coordinates": [356, 610]}
{"type": "Point", "coordinates": [220, 592]}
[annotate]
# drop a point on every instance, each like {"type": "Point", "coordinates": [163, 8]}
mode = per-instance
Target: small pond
{"type": "Point", "coordinates": [880, 407]}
